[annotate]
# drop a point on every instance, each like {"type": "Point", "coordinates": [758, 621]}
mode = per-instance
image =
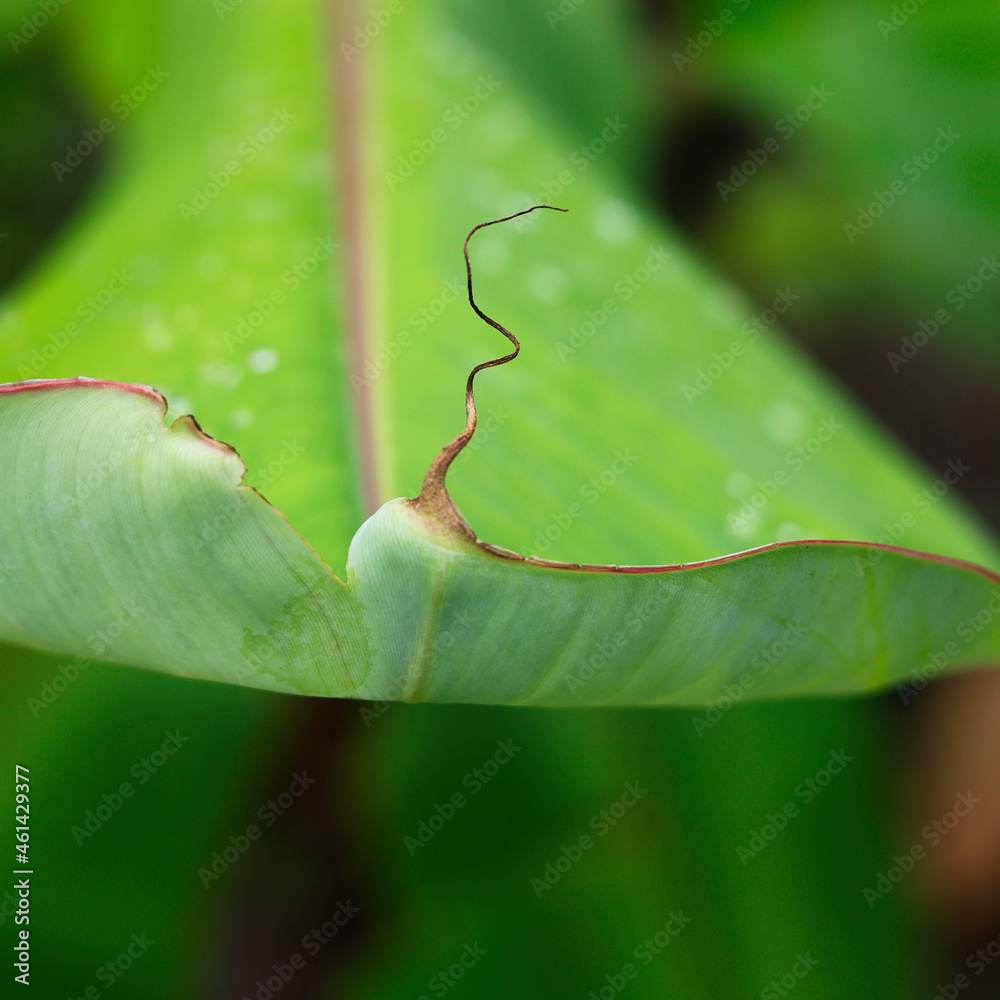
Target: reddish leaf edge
{"type": "Point", "coordinates": [82, 382]}
{"type": "Point", "coordinates": [188, 420]}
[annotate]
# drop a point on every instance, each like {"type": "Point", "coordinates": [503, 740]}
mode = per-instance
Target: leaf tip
{"type": "Point", "coordinates": [434, 500]}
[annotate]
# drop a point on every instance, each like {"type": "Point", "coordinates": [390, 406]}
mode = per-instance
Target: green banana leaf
{"type": "Point", "coordinates": [130, 542]}
{"type": "Point", "coordinates": [193, 283]}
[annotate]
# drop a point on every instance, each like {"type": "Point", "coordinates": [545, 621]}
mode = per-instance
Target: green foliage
{"type": "Point", "coordinates": [558, 419]}
{"type": "Point", "coordinates": [129, 542]}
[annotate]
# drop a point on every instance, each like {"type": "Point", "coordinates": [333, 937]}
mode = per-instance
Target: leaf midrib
{"type": "Point", "coordinates": [347, 107]}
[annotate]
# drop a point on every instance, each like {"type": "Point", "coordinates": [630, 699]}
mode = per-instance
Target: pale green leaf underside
{"type": "Point", "coordinates": [124, 540]}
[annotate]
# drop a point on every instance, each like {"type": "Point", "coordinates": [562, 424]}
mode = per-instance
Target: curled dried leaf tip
{"type": "Point", "coordinates": [434, 499]}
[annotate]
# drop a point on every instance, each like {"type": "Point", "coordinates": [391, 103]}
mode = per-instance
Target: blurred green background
{"type": "Point", "coordinates": [720, 146]}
